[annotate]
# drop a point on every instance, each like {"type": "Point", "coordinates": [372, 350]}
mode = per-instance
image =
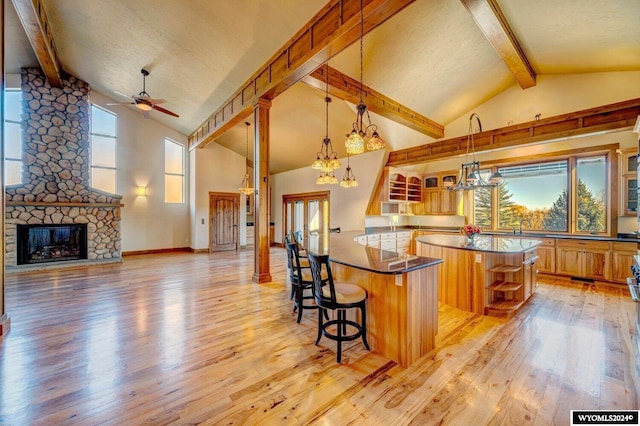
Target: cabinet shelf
{"type": "Point", "coordinates": [503, 307]}
{"type": "Point", "coordinates": [506, 268]}
{"type": "Point", "coordinates": [505, 286]}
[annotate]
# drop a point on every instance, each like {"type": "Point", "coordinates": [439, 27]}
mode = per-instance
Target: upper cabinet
{"type": "Point", "coordinates": [629, 181]}
{"type": "Point", "coordinates": [404, 186]}
{"type": "Point", "coordinates": [438, 199]}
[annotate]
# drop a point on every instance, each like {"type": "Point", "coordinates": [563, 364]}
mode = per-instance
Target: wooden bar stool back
{"type": "Point", "coordinates": [338, 297]}
{"type": "Point", "coordinates": [301, 281]}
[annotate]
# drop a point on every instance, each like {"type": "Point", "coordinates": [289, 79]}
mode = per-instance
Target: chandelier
{"type": "Point", "coordinates": [470, 176]}
{"type": "Point", "coordinates": [245, 188]}
{"type": "Point", "coordinates": [349, 180]}
{"type": "Point", "coordinates": [362, 131]}
{"type": "Point", "coordinates": [326, 159]}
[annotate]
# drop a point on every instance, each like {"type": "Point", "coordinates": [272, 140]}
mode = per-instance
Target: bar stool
{"type": "Point", "coordinates": [301, 281]}
{"type": "Point", "coordinates": [337, 297]}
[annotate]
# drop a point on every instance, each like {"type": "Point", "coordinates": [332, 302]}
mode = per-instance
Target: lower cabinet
{"type": "Point", "coordinates": [621, 260]}
{"type": "Point", "coordinates": [583, 258]}
{"type": "Point", "coordinates": [546, 262]}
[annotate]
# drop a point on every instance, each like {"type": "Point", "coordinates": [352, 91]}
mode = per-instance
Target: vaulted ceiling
{"type": "Point", "coordinates": [431, 57]}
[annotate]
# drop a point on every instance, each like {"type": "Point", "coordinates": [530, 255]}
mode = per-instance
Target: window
{"type": "Point", "coordinates": [103, 149]}
{"type": "Point", "coordinates": [173, 172]}
{"type": "Point", "coordinates": [12, 138]}
{"type": "Point", "coordinates": [541, 194]}
{"type": "Point", "coordinates": [592, 180]}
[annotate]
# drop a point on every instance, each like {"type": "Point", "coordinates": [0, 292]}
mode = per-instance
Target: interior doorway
{"type": "Point", "coordinates": [224, 217]}
{"type": "Point", "coordinates": [308, 212]}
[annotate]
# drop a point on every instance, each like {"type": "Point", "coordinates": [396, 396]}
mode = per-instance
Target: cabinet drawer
{"type": "Point", "coordinates": [403, 234]}
{"type": "Point", "coordinates": [388, 244]}
{"type": "Point", "coordinates": [630, 247]}
{"type": "Point", "coordinates": [373, 237]}
{"type": "Point", "coordinates": [361, 239]}
{"type": "Point", "coordinates": [548, 242]}
{"type": "Point", "coordinates": [375, 244]}
{"type": "Point", "coordinates": [403, 242]}
{"type": "Point", "coordinates": [388, 236]}
{"type": "Point", "coordinates": [586, 244]}
{"type": "Point", "coordinates": [402, 250]}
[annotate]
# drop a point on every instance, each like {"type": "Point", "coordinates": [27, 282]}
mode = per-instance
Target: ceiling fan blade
{"type": "Point", "coordinates": [157, 101]}
{"type": "Point", "coordinates": [122, 94]}
{"type": "Point", "coordinates": [166, 111]}
{"type": "Point", "coordinates": [121, 103]}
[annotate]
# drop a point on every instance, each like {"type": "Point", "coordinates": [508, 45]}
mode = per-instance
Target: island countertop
{"type": "Point", "coordinates": [484, 243]}
{"type": "Point", "coordinates": [342, 249]}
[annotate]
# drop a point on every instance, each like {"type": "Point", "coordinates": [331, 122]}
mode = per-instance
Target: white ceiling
{"type": "Point", "coordinates": [431, 57]}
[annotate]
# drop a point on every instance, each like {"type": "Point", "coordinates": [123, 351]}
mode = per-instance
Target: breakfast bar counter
{"type": "Point", "coordinates": [402, 303]}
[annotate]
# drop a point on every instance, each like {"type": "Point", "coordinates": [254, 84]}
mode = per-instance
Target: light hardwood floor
{"type": "Point", "coordinates": [189, 339]}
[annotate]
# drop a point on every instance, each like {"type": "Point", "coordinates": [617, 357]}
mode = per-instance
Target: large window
{"type": "Point", "coordinates": [541, 194]}
{"type": "Point", "coordinates": [103, 149]}
{"type": "Point", "coordinates": [173, 172]}
{"type": "Point", "coordinates": [12, 137]}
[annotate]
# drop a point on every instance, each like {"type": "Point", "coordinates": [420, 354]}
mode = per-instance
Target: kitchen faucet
{"type": "Point", "coordinates": [522, 221]}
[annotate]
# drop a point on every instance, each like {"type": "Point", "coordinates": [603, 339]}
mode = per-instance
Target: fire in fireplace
{"type": "Point", "coordinates": [51, 243]}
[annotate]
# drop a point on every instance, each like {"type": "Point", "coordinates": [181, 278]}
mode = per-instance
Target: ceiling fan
{"type": "Point", "coordinates": [143, 101]}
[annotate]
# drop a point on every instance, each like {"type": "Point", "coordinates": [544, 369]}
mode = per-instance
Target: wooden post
{"type": "Point", "coordinates": [4, 319]}
{"type": "Point", "coordinates": [261, 272]}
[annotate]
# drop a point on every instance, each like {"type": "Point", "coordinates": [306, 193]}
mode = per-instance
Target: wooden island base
{"type": "Point", "coordinates": [489, 276]}
{"type": "Point", "coordinates": [402, 310]}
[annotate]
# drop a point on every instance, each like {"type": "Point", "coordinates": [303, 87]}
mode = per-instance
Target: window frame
{"type": "Point", "coordinates": [572, 158]}
{"type": "Point", "coordinates": [115, 148]}
{"type": "Point", "coordinates": [7, 121]}
{"type": "Point", "coordinates": [181, 175]}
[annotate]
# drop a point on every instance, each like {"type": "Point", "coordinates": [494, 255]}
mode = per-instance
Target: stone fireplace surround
{"type": "Point", "coordinates": [55, 169]}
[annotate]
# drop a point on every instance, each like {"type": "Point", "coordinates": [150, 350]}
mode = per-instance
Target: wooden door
{"type": "Point", "coordinates": [224, 217]}
{"type": "Point", "coordinates": [307, 213]}
{"type": "Point", "coordinates": [547, 260]}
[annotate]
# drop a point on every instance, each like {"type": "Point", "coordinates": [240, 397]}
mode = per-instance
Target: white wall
{"type": "Point", "coordinates": [217, 169]}
{"type": "Point", "coordinates": [347, 206]}
{"type": "Point", "coordinates": [147, 221]}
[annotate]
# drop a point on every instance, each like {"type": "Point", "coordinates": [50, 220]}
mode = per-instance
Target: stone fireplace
{"type": "Point", "coordinates": [55, 174]}
{"type": "Point", "coordinates": [51, 243]}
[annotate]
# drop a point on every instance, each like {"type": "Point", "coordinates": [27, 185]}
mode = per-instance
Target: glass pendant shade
{"type": "Point", "coordinates": [375, 143]}
{"type": "Point", "coordinates": [326, 159]}
{"type": "Point", "coordinates": [318, 164]}
{"type": "Point", "coordinates": [354, 143]}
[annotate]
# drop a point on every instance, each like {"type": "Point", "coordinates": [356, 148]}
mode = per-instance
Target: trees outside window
{"type": "Point", "coordinates": [540, 194]}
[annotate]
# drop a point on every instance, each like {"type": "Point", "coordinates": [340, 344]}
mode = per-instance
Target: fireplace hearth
{"type": "Point", "coordinates": [51, 243]}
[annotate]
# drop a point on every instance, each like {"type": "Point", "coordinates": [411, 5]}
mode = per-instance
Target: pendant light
{"type": "Point", "coordinates": [326, 159]}
{"type": "Point", "coordinates": [349, 179]}
{"type": "Point", "coordinates": [360, 132]}
{"type": "Point", "coordinates": [245, 188]}
{"type": "Point", "coordinates": [470, 176]}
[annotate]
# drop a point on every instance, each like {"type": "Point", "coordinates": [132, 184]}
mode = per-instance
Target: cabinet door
{"type": "Point", "coordinates": [546, 260]}
{"type": "Point", "coordinates": [568, 261]}
{"type": "Point", "coordinates": [621, 262]}
{"type": "Point", "coordinates": [630, 195]}
{"type": "Point", "coordinates": [596, 264]}
{"type": "Point", "coordinates": [527, 284]}
{"type": "Point", "coordinates": [431, 201]}
{"type": "Point", "coordinates": [448, 201]}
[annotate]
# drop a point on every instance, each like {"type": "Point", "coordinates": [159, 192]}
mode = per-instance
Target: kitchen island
{"type": "Point", "coordinates": [489, 275]}
{"type": "Point", "coordinates": [402, 303]}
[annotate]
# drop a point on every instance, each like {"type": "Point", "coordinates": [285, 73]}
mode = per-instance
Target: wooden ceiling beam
{"type": "Point", "coordinates": [348, 89]}
{"type": "Point", "coordinates": [331, 30]}
{"type": "Point", "coordinates": [607, 118]}
{"type": "Point", "coordinates": [495, 27]}
{"type": "Point", "coordinates": [36, 26]}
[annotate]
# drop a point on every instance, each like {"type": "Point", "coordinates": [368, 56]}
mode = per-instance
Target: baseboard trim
{"type": "Point", "coordinates": [205, 250]}
{"type": "Point", "coordinates": [156, 251]}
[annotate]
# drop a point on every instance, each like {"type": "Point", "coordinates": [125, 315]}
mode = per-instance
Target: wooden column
{"type": "Point", "coordinates": [4, 319]}
{"type": "Point", "coordinates": [261, 273]}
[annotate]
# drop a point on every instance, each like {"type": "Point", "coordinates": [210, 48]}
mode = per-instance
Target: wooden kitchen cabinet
{"type": "Point", "coordinates": [404, 186]}
{"type": "Point", "coordinates": [629, 182]}
{"type": "Point", "coordinates": [583, 259]}
{"type": "Point", "coordinates": [437, 199]}
{"type": "Point", "coordinates": [621, 260]}
{"type": "Point", "coordinates": [546, 262]}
